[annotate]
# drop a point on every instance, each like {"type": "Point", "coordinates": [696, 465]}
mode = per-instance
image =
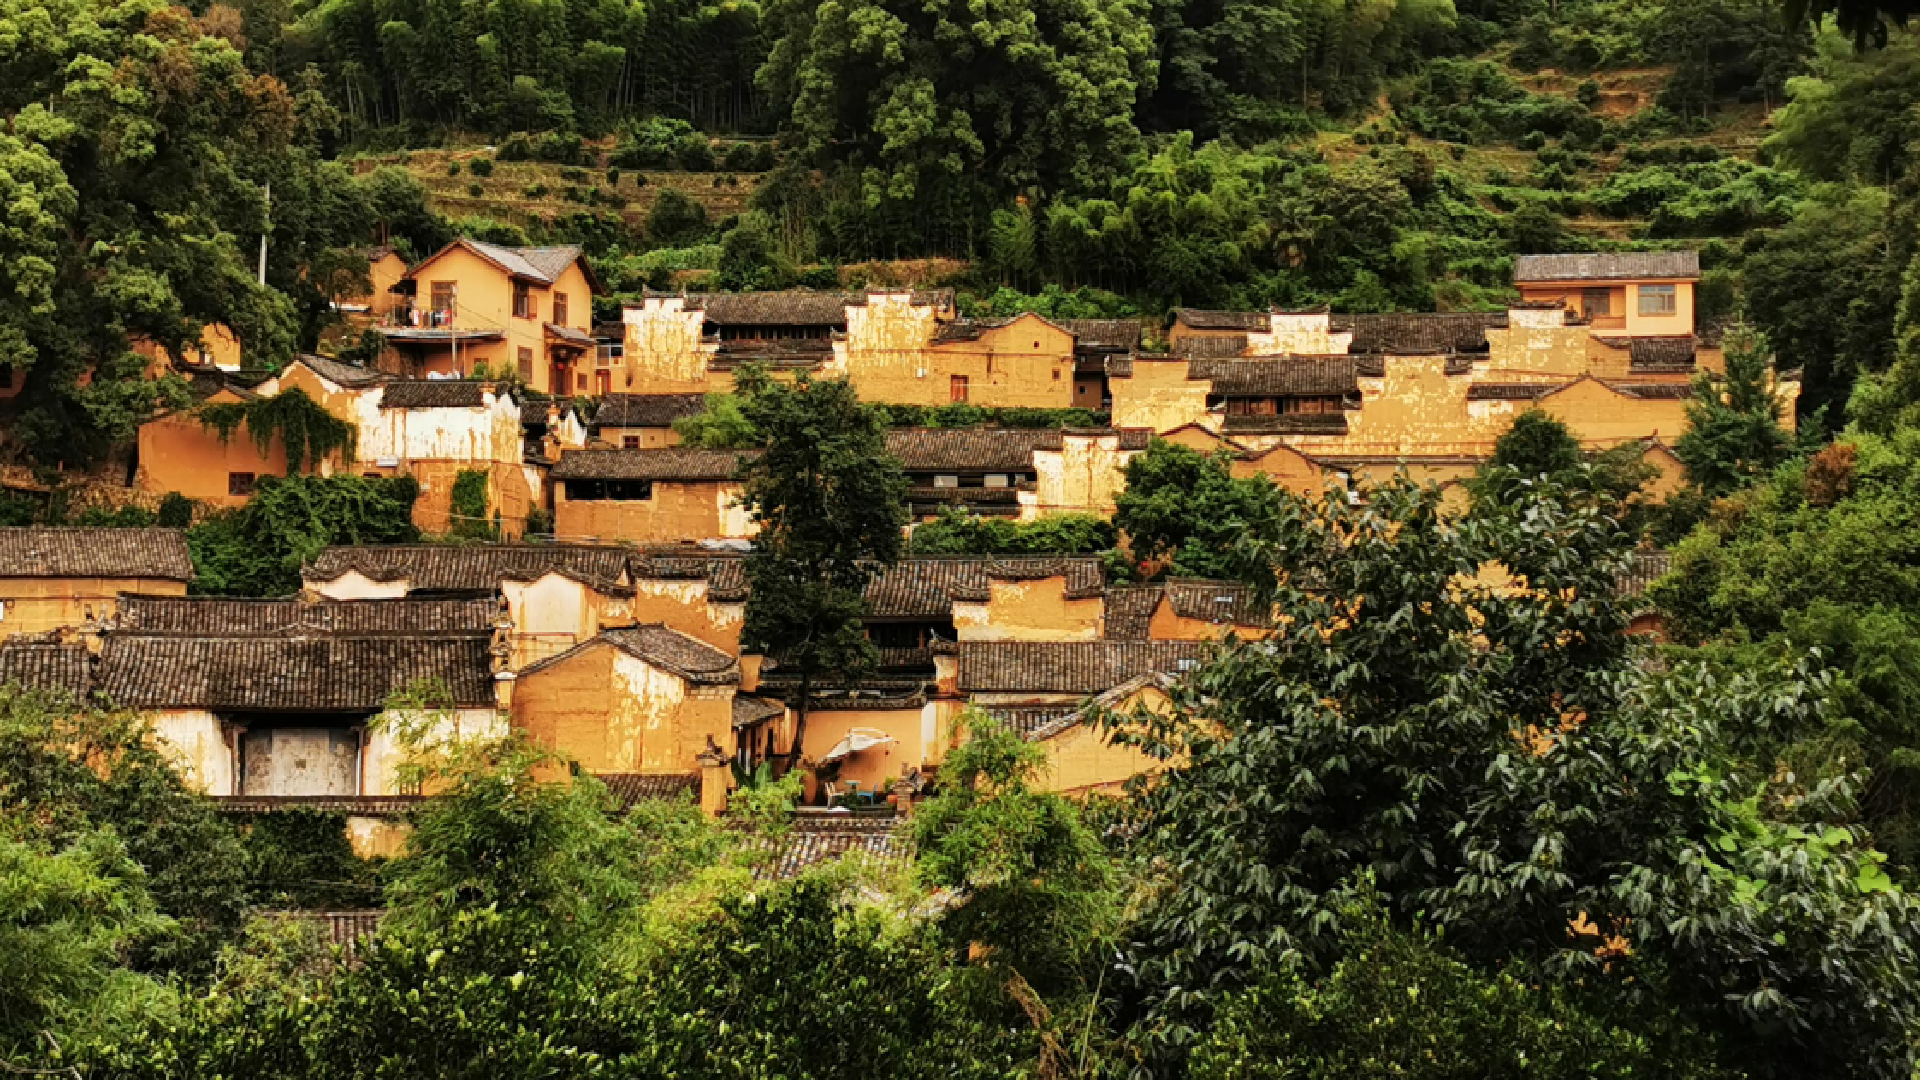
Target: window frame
{"type": "Point", "coordinates": [559, 309]}
{"type": "Point", "coordinates": [242, 483]}
{"type": "Point", "coordinates": [523, 304]}
{"type": "Point", "coordinates": [1671, 295]}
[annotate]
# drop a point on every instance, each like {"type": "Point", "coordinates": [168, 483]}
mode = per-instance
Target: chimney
{"type": "Point", "coordinates": [503, 689]}
{"type": "Point", "coordinates": [716, 776]}
{"type": "Point", "coordinates": [904, 793]}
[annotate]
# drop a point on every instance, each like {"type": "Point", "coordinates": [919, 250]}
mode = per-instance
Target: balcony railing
{"type": "Point", "coordinates": [1288, 424]}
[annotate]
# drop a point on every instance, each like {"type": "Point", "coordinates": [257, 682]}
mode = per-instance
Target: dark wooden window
{"type": "Point", "coordinates": [526, 364]}
{"type": "Point", "coordinates": [1596, 302]}
{"type": "Point", "coordinates": [957, 387]}
{"type": "Point", "coordinates": [239, 483]}
{"type": "Point", "coordinates": [629, 442]}
{"type": "Point", "coordinates": [522, 300]}
{"type": "Point", "coordinates": [609, 490]}
{"type": "Point", "coordinates": [443, 293]}
{"type": "Point", "coordinates": [560, 309]}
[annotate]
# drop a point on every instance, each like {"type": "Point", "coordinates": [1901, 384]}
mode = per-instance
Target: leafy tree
{"type": "Point", "coordinates": [749, 258]}
{"type": "Point", "coordinates": [1507, 772]}
{"type": "Point", "coordinates": [1824, 289]}
{"type": "Point", "coordinates": [66, 916]}
{"type": "Point", "coordinates": [127, 127]}
{"type": "Point", "coordinates": [828, 502]}
{"type": "Point", "coordinates": [1818, 558]}
{"type": "Point", "coordinates": [1182, 505]}
{"type": "Point", "coordinates": [89, 781]}
{"type": "Point", "coordinates": [1033, 881]}
{"type": "Point", "coordinates": [258, 549]}
{"type": "Point", "coordinates": [960, 533]}
{"type": "Point", "coordinates": [1401, 1000]}
{"type": "Point", "coordinates": [1733, 434]}
{"type": "Point", "coordinates": [922, 95]}
{"type": "Point", "coordinates": [1539, 447]}
{"type": "Point", "coordinates": [720, 425]}
{"type": "Point", "coordinates": [675, 220]}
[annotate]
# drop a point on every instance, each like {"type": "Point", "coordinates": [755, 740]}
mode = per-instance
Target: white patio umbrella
{"type": "Point", "coordinates": [860, 738]}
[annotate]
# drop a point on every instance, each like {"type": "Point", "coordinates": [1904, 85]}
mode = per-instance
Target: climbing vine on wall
{"type": "Point", "coordinates": [469, 507]}
{"type": "Point", "coordinates": [309, 431]}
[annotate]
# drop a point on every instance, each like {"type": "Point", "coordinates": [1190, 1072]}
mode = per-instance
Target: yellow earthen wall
{"type": "Point", "coordinates": [1081, 761]}
{"type": "Point", "coordinates": [685, 606]}
{"type": "Point", "coordinates": [1165, 625]}
{"type": "Point", "coordinates": [485, 302]}
{"type": "Point", "coordinates": [1084, 476]}
{"type": "Point", "coordinates": [700, 510]}
{"type": "Point", "coordinates": [37, 605]}
{"type": "Point", "coordinates": [1027, 363]}
{"type": "Point", "coordinates": [613, 712]}
{"type": "Point", "coordinates": [1035, 610]}
{"type": "Point", "coordinates": [664, 351]}
{"type": "Point", "coordinates": [650, 437]}
{"type": "Point", "coordinates": [870, 767]}
{"type": "Point", "coordinates": [1158, 395]}
{"type": "Point", "coordinates": [178, 454]}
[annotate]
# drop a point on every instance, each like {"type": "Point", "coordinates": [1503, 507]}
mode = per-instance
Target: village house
{"type": "Point", "coordinates": [1042, 689]}
{"type": "Point", "coordinates": [475, 307]}
{"type": "Point", "coordinates": [555, 596]}
{"type": "Point", "coordinates": [1023, 473]}
{"type": "Point", "coordinates": [643, 421]}
{"type": "Point", "coordinates": [431, 430]}
{"type": "Point", "coordinates": [434, 430]}
{"type": "Point", "coordinates": [54, 577]}
{"type": "Point", "coordinates": [1356, 395]}
{"type": "Point", "coordinates": [661, 495]}
{"type": "Point", "coordinates": [385, 270]}
{"type": "Point", "coordinates": [643, 700]}
{"type": "Point", "coordinates": [900, 347]}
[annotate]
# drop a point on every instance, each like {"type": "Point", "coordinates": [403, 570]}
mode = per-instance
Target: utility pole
{"type": "Point", "coordinates": [264, 232]}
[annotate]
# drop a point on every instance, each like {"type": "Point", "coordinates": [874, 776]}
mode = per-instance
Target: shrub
{"type": "Point", "coordinates": [535, 191]}
{"type": "Point", "coordinates": [1588, 93]}
{"type": "Point", "coordinates": [694, 153]}
{"type": "Point", "coordinates": [613, 176]}
{"type": "Point", "coordinates": [453, 168]}
{"type": "Point", "coordinates": [1532, 140]}
{"type": "Point", "coordinates": [739, 157]}
{"type": "Point", "coordinates": [475, 190]}
{"type": "Point", "coordinates": [480, 166]}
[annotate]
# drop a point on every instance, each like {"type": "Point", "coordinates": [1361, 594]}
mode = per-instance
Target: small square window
{"type": "Point", "coordinates": [1658, 300]}
{"type": "Point", "coordinates": [239, 483]}
{"type": "Point", "coordinates": [946, 481]}
{"type": "Point", "coordinates": [629, 442]}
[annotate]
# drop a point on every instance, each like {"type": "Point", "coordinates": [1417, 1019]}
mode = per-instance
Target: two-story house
{"type": "Point", "coordinates": [520, 312]}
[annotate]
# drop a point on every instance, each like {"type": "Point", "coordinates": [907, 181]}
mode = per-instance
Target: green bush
{"type": "Point", "coordinates": [694, 153]}
{"type": "Point", "coordinates": [475, 190]}
{"type": "Point", "coordinates": [481, 166]}
{"type": "Point", "coordinates": [453, 168]}
{"type": "Point", "coordinates": [740, 157]}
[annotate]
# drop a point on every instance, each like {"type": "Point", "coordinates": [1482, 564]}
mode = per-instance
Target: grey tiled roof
{"type": "Point", "coordinates": [543, 264]}
{"type": "Point", "coordinates": [665, 463]}
{"type": "Point", "coordinates": [82, 552]}
{"type": "Point", "coordinates": [970, 449]}
{"type": "Point", "coordinates": [171, 616]}
{"type": "Point", "coordinates": [1608, 267]}
{"type": "Point", "coordinates": [1645, 568]}
{"type": "Point", "coordinates": [1202, 319]}
{"type": "Point", "coordinates": [928, 586]}
{"type": "Point", "coordinates": [647, 410]}
{"type": "Point", "coordinates": [44, 662]}
{"type": "Point", "coordinates": [664, 648]}
{"type": "Point", "coordinates": [475, 567]}
{"type": "Point", "coordinates": [1419, 332]}
{"type": "Point", "coordinates": [816, 838]}
{"type": "Point", "coordinates": [628, 789]}
{"type": "Point", "coordinates": [1067, 667]}
{"type": "Point", "coordinates": [292, 674]}
{"type": "Point", "coordinates": [346, 375]}
{"type": "Point", "coordinates": [434, 394]}
{"type": "Point", "coordinates": [1279, 376]}
{"type": "Point", "coordinates": [726, 575]}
